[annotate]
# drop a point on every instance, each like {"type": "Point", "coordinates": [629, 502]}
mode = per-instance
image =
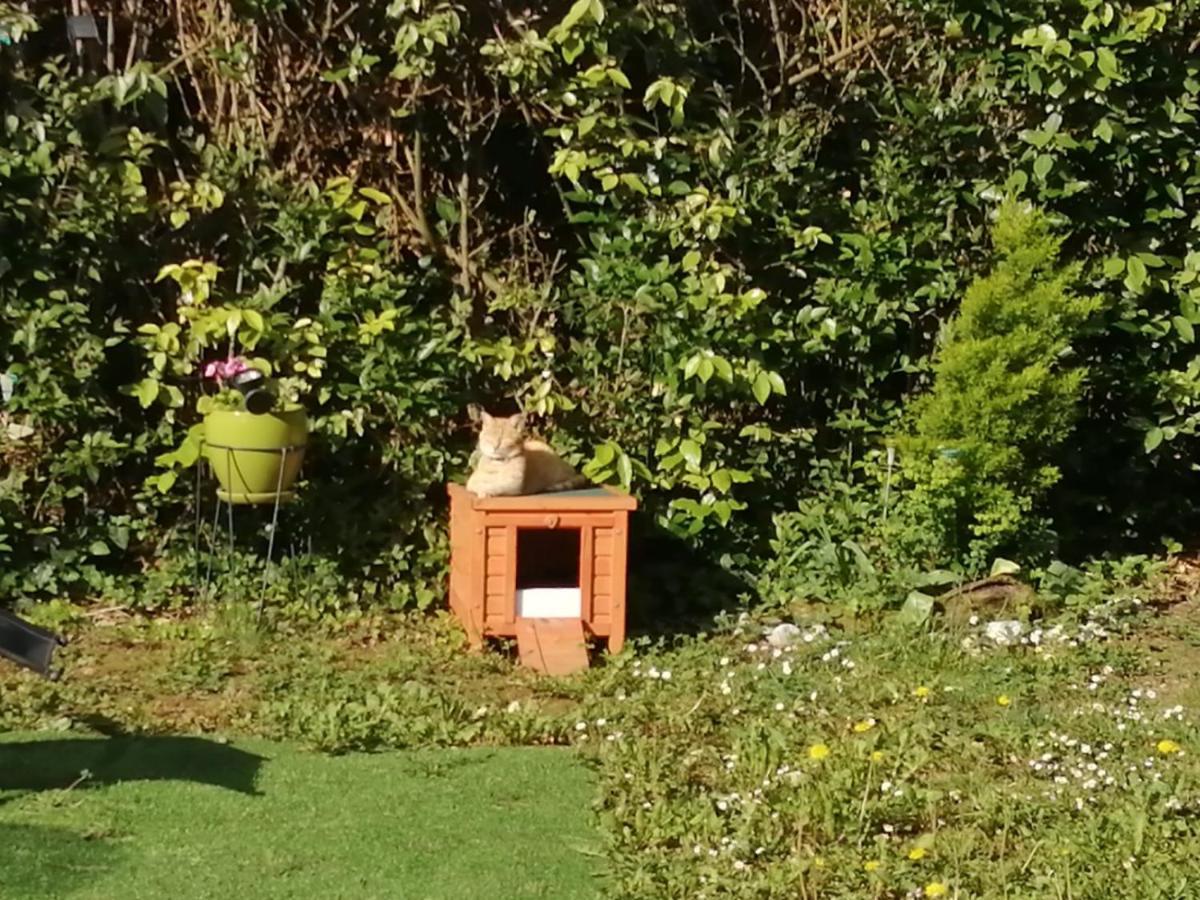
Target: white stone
{"type": "Point", "coordinates": [1003, 631]}
{"type": "Point", "coordinates": [783, 636]}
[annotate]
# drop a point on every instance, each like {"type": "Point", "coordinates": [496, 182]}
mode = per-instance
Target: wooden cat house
{"type": "Point", "coordinates": [546, 569]}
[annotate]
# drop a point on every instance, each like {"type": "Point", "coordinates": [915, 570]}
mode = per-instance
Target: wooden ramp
{"type": "Point", "coordinates": [552, 646]}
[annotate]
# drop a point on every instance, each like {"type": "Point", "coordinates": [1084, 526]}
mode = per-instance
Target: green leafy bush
{"type": "Point", "coordinates": [980, 456]}
{"type": "Point", "coordinates": [712, 252]}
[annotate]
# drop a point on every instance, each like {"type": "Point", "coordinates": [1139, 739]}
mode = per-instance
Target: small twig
{"type": "Point", "coordinates": [624, 334]}
{"type": "Point", "coordinates": [464, 232]}
{"type": "Point", "coordinates": [327, 27]}
{"type": "Point", "coordinates": [134, 14]}
{"type": "Point", "coordinates": [464, 199]}
{"type": "Point", "coordinates": [835, 58]}
{"type": "Point", "coordinates": [110, 60]}
{"type": "Point", "coordinates": [416, 213]}
{"type": "Point", "coordinates": [78, 44]}
{"type": "Point", "coordinates": [780, 49]}
{"type": "Point", "coordinates": [186, 58]}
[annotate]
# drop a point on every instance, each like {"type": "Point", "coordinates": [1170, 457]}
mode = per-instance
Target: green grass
{"type": "Point", "coordinates": [861, 761]}
{"type": "Point", "coordinates": [193, 818]}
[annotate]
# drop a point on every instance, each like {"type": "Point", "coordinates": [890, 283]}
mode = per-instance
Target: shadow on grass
{"type": "Point", "coordinates": [38, 862]}
{"type": "Point", "coordinates": [53, 764]}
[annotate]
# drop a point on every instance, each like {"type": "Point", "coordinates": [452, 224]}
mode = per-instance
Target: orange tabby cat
{"type": "Point", "coordinates": [511, 464]}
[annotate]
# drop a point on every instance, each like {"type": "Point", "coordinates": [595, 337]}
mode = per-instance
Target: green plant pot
{"type": "Point", "coordinates": [255, 457]}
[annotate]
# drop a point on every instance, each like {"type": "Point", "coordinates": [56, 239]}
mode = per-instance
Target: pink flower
{"type": "Point", "coordinates": [224, 369]}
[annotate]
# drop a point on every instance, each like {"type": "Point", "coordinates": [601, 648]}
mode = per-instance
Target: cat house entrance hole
{"type": "Point", "coordinates": [547, 558]}
{"type": "Point", "coordinates": [547, 576]}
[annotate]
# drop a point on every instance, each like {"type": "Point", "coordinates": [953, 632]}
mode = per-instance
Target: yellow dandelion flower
{"type": "Point", "coordinates": [1167, 747]}
{"type": "Point", "coordinates": [818, 751]}
{"type": "Point", "coordinates": [819, 862]}
{"type": "Point", "coordinates": [877, 756]}
{"type": "Point", "coordinates": [922, 692]}
{"type": "Point", "coordinates": [1003, 700]}
{"type": "Point", "coordinates": [916, 853]}
{"type": "Point", "coordinates": [936, 889]}
{"type": "Point", "coordinates": [871, 865]}
{"type": "Point", "coordinates": [864, 726]}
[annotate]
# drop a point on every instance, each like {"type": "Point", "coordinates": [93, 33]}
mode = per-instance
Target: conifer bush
{"type": "Point", "coordinates": [980, 453]}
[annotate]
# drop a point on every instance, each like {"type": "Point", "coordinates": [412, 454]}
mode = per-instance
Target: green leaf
{"type": "Point", "coordinates": [254, 319]}
{"type": "Point", "coordinates": [575, 14]}
{"type": "Point", "coordinates": [722, 481]}
{"type": "Point", "coordinates": [1001, 566]}
{"type": "Point", "coordinates": [1042, 166]}
{"type": "Point", "coordinates": [378, 196]}
{"type": "Point", "coordinates": [146, 391]}
{"type": "Point", "coordinates": [691, 260]}
{"type": "Point", "coordinates": [724, 369]}
{"type": "Point", "coordinates": [608, 182]}
{"type": "Point", "coordinates": [572, 47]}
{"type": "Point", "coordinates": [917, 609]}
{"type": "Point", "coordinates": [1137, 274]}
{"type": "Point", "coordinates": [762, 387]}
{"type": "Point", "coordinates": [447, 209]}
{"type": "Point", "coordinates": [691, 452]}
{"type": "Point", "coordinates": [617, 77]}
{"type": "Point", "coordinates": [635, 182]}
{"type": "Point", "coordinates": [99, 548]}
{"type": "Point", "coordinates": [1106, 62]}
{"type": "Point", "coordinates": [692, 364]}
{"type": "Point", "coordinates": [625, 470]}
{"type": "Point", "coordinates": [705, 369]}
{"type": "Point", "coordinates": [1185, 329]}
{"type": "Point", "coordinates": [604, 455]}
{"type": "Point", "coordinates": [1154, 437]}
{"type": "Point", "coordinates": [777, 384]}
{"type": "Point", "coordinates": [1104, 131]}
{"type": "Point", "coordinates": [1114, 266]}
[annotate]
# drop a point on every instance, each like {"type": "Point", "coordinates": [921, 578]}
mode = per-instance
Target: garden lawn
{"type": "Point", "coordinates": [184, 818]}
{"type": "Point", "coordinates": [841, 759]}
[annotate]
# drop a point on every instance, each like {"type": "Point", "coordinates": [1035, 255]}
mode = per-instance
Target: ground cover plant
{"type": "Point", "coordinates": [770, 756]}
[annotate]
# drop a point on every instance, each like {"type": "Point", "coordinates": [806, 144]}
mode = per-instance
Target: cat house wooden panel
{"type": "Point", "coordinates": [502, 546]}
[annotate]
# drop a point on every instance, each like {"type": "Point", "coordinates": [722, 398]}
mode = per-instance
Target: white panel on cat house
{"type": "Point", "coordinates": [550, 603]}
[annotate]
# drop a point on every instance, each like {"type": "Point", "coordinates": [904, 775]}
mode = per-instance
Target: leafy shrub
{"type": "Point", "coordinates": [980, 456]}
{"type": "Point", "coordinates": [711, 254]}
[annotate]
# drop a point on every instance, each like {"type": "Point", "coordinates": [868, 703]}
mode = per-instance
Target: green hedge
{"type": "Point", "coordinates": [711, 244]}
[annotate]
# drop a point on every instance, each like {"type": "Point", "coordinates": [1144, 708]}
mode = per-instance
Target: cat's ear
{"type": "Point", "coordinates": [520, 421]}
{"type": "Point", "coordinates": [475, 413]}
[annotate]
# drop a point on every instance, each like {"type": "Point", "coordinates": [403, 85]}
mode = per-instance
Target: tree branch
{"type": "Point", "coordinates": [835, 58]}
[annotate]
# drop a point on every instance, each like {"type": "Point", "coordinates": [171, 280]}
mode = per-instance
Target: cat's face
{"type": "Point", "coordinates": [501, 437]}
